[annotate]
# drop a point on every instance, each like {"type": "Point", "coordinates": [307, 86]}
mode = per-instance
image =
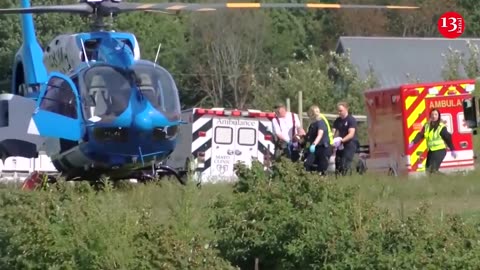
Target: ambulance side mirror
{"type": "Point", "coordinates": [470, 112]}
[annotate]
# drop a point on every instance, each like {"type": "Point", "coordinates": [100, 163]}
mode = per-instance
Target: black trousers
{"type": "Point", "coordinates": [282, 149]}
{"type": "Point", "coordinates": [320, 159]}
{"type": "Point", "coordinates": [434, 160]}
{"type": "Point", "coordinates": [344, 157]}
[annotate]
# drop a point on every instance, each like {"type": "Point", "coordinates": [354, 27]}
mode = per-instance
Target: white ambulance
{"type": "Point", "coordinates": [213, 140]}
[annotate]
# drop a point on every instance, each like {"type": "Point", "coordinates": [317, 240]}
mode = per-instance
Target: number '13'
{"type": "Point", "coordinates": [452, 22]}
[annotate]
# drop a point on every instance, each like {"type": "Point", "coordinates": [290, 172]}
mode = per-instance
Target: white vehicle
{"type": "Point", "coordinates": [19, 168]}
{"type": "Point", "coordinates": [214, 140]}
{"type": "Point", "coordinates": [15, 114]}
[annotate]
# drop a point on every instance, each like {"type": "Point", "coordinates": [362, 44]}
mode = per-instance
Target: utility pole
{"type": "Point", "coordinates": [300, 107]}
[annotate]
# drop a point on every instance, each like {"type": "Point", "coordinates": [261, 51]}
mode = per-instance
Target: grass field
{"type": "Point", "coordinates": [113, 228]}
{"type": "Point", "coordinates": [446, 194]}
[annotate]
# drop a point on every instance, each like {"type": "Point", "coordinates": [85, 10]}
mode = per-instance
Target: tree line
{"type": "Point", "coordinates": [253, 58]}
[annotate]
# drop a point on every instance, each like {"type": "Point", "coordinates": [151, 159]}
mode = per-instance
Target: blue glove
{"type": "Point", "coordinates": [454, 154]}
{"type": "Point", "coordinates": [312, 148]}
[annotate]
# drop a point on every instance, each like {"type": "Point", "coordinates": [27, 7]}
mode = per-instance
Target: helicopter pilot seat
{"type": "Point", "coordinates": [99, 92]}
{"type": "Point", "coordinates": [146, 88]}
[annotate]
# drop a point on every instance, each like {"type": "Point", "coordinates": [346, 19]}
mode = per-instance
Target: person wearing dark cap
{"type": "Point", "coordinates": [287, 129]}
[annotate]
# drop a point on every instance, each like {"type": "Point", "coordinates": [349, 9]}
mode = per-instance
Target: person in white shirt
{"type": "Point", "coordinates": [288, 130]}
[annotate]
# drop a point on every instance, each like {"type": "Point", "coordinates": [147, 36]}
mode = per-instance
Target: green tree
{"type": "Point", "coordinates": [460, 65]}
{"type": "Point", "coordinates": [323, 79]}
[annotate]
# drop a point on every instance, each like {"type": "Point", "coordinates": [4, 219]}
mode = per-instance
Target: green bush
{"type": "Point", "coordinates": [290, 219]}
{"type": "Point", "coordinates": [78, 228]}
{"type": "Point", "coordinates": [286, 217]}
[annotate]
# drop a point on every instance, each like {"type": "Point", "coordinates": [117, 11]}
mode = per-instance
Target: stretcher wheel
{"type": "Point", "coordinates": [392, 172]}
{"type": "Point", "coordinates": [361, 166]}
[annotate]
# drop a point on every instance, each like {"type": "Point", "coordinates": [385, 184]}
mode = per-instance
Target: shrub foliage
{"type": "Point", "coordinates": [290, 219]}
{"type": "Point", "coordinates": [284, 218]}
{"type": "Point", "coordinates": [78, 228]}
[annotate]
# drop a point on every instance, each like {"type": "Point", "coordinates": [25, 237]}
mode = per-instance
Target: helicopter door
{"type": "Point", "coordinates": [58, 110]}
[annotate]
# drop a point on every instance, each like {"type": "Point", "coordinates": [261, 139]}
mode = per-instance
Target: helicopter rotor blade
{"type": "Point", "coordinates": [110, 8]}
{"type": "Point", "coordinates": [129, 7]}
{"type": "Point", "coordinates": [82, 8]}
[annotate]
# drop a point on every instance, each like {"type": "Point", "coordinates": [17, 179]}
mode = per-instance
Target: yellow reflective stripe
{"type": "Point", "coordinates": [415, 114]}
{"type": "Point", "coordinates": [330, 134]}
{"type": "Point", "coordinates": [415, 132]}
{"type": "Point", "coordinates": [422, 146]}
{"type": "Point", "coordinates": [418, 111]}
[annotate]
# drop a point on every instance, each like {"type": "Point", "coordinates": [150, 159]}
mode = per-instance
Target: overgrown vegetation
{"type": "Point", "coordinates": [288, 219]}
{"type": "Point", "coordinates": [241, 58]}
{"type": "Point", "coordinates": [77, 228]}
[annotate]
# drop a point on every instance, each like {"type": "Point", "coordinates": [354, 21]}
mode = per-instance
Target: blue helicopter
{"type": "Point", "coordinates": [91, 103]}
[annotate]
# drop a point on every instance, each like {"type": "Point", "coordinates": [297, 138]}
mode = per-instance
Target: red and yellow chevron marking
{"type": "Point", "coordinates": [417, 115]}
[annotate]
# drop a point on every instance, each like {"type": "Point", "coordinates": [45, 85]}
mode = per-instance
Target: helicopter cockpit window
{"type": "Point", "coordinates": [158, 86]}
{"type": "Point", "coordinates": [59, 98]}
{"type": "Point", "coordinates": [108, 90]}
{"type": "Point", "coordinates": [91, 49]}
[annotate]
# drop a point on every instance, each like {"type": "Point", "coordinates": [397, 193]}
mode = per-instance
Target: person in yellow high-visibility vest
{"type": "Point", "coordinates": [437, 138]}
{"type": "Point", "coordinates": [320, 137]}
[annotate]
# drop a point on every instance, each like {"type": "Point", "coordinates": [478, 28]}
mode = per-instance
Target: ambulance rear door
{"type": "Point", "coordinates": [246, 144]}
{"type": "Point", "coordinates": [234, 140]}
{"type": "Point", "coordinates": [223, 148]}
{"type": "Point", "coordinates": [451, 109]}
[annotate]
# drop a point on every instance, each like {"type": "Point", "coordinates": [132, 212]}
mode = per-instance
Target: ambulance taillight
{"type": "Point", "coordinates": [200, 159]}
{"type": "Point", "coordinates": [202, 134]}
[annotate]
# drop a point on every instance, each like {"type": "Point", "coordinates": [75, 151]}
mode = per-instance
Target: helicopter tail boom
{"type": "Point", "coordinates": [30, 53]}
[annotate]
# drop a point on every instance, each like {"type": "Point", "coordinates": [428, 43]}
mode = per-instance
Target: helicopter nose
{"type": "Point", "coordinates": [143, 121]}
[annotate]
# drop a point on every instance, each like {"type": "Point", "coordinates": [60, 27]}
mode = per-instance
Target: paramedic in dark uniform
{"type": "Point", "coordinates": [345, 127]}
{"type": "Point", "coordinates": [437, 138]}
{"type": "Point", "coordinates": [320, 138]}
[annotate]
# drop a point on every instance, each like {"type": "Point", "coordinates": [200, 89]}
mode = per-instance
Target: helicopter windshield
{"type": "Point", "coordinates": [108, 90]}
{"type": "Point", "coordinates": [158, 86]}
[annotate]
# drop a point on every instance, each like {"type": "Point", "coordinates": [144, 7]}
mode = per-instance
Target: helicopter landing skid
{"type": "Point", "coordinates": [158, 171]}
